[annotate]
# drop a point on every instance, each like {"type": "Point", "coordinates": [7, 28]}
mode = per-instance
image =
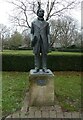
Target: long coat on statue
{"type": "Point", "coordinates": [40, 28]}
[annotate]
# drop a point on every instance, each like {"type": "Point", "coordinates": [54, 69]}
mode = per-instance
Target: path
{"type": "Point", "coordinates": [43, 112]}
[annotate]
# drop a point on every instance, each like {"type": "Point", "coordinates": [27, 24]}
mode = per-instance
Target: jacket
{"type": "Point", "coordinates": [40, 28]}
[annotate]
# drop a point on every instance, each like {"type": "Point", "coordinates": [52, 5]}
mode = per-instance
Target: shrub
{"type": "Point", "coordinates": [70, 50]}
{"type": "Point", "coordinates": [23, 62]}
{"type": "Point", "coordinates": [17, 62]}
{"type": "Point", "coordinates": [64, 62]}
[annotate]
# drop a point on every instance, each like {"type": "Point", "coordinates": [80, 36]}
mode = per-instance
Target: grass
{"type": "Point", "coordinates": [0, 93]}
{"type": "Point", "coordinates": [67, 90]}
{"type": "Point", "coordinates": [30, 52]}
{"type": "Point", "coordinates": [18, 52]}
{"type": "Point", "coordinates": [14, 88]}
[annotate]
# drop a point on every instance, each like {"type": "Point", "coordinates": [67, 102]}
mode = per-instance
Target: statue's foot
{"type": "Point", "coordinates": [45, 70]}
{"type": "Point", "coordinates": [36, 70]}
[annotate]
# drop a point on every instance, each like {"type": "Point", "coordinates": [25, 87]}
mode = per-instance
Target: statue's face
{"type": "Point", "coordinates": [41, 13]}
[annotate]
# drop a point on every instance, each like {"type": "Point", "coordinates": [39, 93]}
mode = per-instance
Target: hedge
{"type": "Point", "coordinates": [70, 50]}
{"type": "Point", "coordinates": [23, 63]}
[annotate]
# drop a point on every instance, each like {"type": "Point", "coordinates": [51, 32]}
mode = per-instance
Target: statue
{"type": "Point", "coordinates": [40, 40]}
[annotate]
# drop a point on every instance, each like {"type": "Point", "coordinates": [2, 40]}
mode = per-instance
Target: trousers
{"type": "Point", "coordinates": [41, 57]}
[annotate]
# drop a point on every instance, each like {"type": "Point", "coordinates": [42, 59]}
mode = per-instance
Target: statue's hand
{"type": "Point", "coordinates": [34, 41]}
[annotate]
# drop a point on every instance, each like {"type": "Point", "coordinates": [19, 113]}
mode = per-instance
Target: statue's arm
{"type": "Point", "coordinates": [48, 33]}
{"type": "Point", "coordinates": [32, 31]}
{"type": "Point", "coordinates": [48, 38]}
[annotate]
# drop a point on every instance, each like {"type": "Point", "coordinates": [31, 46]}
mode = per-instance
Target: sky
{"type": "Point", "coordinates": [6, 8]}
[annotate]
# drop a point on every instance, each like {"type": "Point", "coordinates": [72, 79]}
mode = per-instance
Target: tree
{"type": "Point", "coordinates": [27, 41]}
{"type": "Point", "coordinates": [64, 32]}
{"type": "Point", "coordinates": [15, 41]}
{"type": "Point", "coordinates": [26, 10]}
{"type": "Point", "coordinates": [4, 34]}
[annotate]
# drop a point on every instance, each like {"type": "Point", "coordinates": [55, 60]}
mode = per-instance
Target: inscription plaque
{"type": "Point", "coordinates": [41, 82]}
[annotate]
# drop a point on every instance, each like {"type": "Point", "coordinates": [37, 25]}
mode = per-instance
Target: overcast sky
{"type": "Point", "coordinates": [5, 10]}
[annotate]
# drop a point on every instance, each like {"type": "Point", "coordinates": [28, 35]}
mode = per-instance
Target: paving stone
{"type": "Point", "coordinates": [67, 115]}
{"type": "Point", "coordinates": [81, 115]}
{"type": "Point", "coordinates": [25, 103]}
{"type": "Point", "coordinates": [33, 109]}
{"type": "Point", "coordinates": [49, 108]}
{"type": "Point", "coordinates": [38, 114]}
{"type": "Point", "coordinates": [43, 108]}
{"type": "Point", "coordinates": [45, 114]}
{"type": "Point", "coordinates": [10, 116]}
{"type": "Point", "coordinates": [23, 115]}
{"type": "Point", "coordinates": [53, 108]}
{"type": "Point", "coordinates": [31, 114]}
{"type": "Point", "coordinates": [59, 115]}
{"type": "Point", "coordinates": [75, 115]}
{"type": "Point", "coordinates": [58, 108]}
{"type": "Point", "coordinates": [52, 114]}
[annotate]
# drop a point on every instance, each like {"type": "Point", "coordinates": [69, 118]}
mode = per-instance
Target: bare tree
{"type": "Point", "coordinates": [26, 10]}
{"type": "Point", "coordinates": [64, 32]}
{"type": "Point", "coordinates": [4, 33]}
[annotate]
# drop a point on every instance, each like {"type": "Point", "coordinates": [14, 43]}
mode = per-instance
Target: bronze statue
{"type": "Point", "coordinates": [40, 40]}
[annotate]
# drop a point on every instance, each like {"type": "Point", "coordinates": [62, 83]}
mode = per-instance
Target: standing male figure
{"type": "Point", "coordinates": [41, 39]}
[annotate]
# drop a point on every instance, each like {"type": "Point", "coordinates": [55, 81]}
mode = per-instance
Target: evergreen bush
{"type": "Point", "coordinates": [25, 62]}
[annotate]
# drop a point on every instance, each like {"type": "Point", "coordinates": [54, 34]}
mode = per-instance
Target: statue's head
{"type": "Point", "coordinates": [40, 13]}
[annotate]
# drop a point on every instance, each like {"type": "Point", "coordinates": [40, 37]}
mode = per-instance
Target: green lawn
{"type": "Point", "coordinates": [68, 90]}
{"type": "Point", "coordinates": [30, 52]}
{"type": "Point", "coordinates": [15, 85]}
{"type": "Point", "coordinates": [17, 52]}
{"type": "Point", "coordinates": [0, 92]}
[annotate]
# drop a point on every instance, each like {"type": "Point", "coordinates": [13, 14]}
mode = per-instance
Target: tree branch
{"type": "Point", "coordinates": [64, 8]}
{"type": "Point", "coordinates": [25, 9]}
{"type": "Point", "coordinates": [51, 7]}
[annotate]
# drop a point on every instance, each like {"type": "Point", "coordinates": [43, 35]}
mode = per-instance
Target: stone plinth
{"type": "Point", "coordinates": [41, 91]}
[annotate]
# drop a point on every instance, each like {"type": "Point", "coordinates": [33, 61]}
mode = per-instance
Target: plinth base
{"type": "Point", "coordinates": [41, 90]}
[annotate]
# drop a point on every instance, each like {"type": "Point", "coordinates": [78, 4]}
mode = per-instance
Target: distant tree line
{"type": "Point", "coordinates": [63, 30]}
{"type": "Point", "coordinates": [64, 34]}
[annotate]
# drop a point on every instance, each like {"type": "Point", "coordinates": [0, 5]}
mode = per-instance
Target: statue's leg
{"type": "Point", "coordinates": [37, 61]}
{"type": "Point", "coordinates": [44, 63]}
{"type": "Point", "coordinates": [44, 60]}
